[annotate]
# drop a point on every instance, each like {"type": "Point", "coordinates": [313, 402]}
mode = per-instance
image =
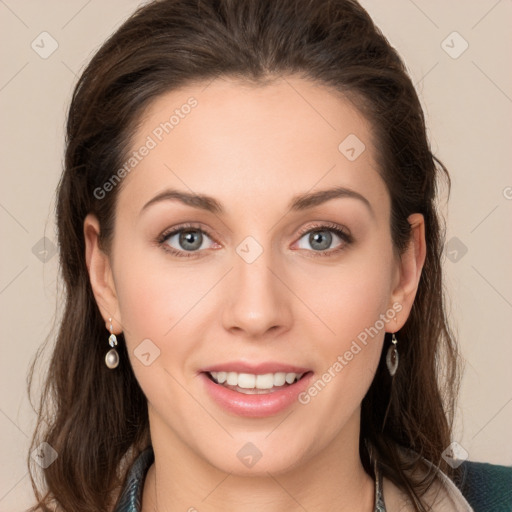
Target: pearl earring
{"type": "Point", "coordinates": [112, 357]}
{"type": "Point", "coordinates": [392, 356]}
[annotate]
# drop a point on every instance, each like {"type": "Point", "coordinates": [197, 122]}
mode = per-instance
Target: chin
{"type": "Point", "coordinates": [257, 457]}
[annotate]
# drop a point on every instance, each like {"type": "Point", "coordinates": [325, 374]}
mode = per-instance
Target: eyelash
{"type": "Point", "coordinates": [337, 230]}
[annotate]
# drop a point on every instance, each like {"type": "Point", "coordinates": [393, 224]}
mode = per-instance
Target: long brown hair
{"type": "Point", "coordinates": [96, 419]}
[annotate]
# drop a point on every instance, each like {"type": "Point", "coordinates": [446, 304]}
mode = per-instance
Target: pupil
{"type": "Point", "coordinates": [317, 237]}
{"type": "Point", "coordinates": [187, 237]}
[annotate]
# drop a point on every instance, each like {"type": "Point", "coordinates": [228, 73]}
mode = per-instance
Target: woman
{"type": "Point", "coordinates": [252, 259]}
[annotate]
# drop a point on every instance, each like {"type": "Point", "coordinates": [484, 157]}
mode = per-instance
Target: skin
{"type": "Point", "coordinates": [253, 149]}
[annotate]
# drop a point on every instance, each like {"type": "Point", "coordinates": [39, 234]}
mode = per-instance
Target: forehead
{"type": "Point", "coordinates": [240, 142]}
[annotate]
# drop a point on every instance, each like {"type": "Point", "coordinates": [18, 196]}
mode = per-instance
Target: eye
{"type": "Point", "coordinates": [189, 240]}
{"type": "Point", "coordinates": [321, 238]}
{"type": "Point", "coordinates": [185, 239]}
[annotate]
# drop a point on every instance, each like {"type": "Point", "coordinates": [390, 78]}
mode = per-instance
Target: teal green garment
{"type": "Point", "coordinates": [486, 487]}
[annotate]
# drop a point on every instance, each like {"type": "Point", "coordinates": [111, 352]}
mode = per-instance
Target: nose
{"type": "Point", "coordinates": [258, 300]}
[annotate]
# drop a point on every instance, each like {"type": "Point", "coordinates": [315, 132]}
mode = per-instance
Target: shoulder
{"type": "Point", "coordinates": [474, 487]}
{"type": "Point", "coordinates": [441, 496]}
{"type": "Point", "coordinates": [485, 486]}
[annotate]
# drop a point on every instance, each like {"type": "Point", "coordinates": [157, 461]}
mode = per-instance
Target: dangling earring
{"type": "Point", "coordinates": [392, 356]}
{"type": "Point", "coordinates": [112, 357]}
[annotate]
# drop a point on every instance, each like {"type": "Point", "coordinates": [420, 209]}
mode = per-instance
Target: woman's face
{"type": "Point", "coordinates": [271, 274]}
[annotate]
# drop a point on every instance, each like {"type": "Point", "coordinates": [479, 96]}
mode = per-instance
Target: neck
{"type": "Point", "coordinates": [332, 479]}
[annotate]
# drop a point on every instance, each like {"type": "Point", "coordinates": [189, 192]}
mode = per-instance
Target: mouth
{"type": "Point", "coordinates": [255, 391]}
{"type": "Point", "coordinates": [255, 384]}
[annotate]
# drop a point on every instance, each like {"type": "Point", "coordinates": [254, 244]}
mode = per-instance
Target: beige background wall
{"type": "Point", "coordinates": [467, 96]}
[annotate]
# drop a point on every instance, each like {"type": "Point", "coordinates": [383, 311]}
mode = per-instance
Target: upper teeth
{"type": "Point", "coordinates": [250, 380]}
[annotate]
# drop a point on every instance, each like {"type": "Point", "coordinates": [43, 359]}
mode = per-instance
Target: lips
{"type": "Point", "coordinates": [255, 390]}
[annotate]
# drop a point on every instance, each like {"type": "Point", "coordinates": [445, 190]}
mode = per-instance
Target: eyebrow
{"type": "Point", "coordinates": [299, 202]}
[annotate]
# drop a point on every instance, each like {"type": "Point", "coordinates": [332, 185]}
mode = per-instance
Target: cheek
{"type": "Point", "coordinates": [163, 302]}
{"type": "Point", "coordinates": [154, 302]}
{"type": "Point", "coordinates": [353, 303]}
{"type": "Point", "coordinates": [352, 295]}
{"type": "Point", "coordinates": [155, 293]}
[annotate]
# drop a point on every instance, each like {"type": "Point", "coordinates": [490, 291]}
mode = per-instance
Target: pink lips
{"type": "Point", "coordinates": [257, 405]}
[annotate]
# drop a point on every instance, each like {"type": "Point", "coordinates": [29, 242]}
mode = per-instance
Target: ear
{"type": "Point", "coordinates": [100, 274]}
{"type": "Point", "coordinates": [409, 271]}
